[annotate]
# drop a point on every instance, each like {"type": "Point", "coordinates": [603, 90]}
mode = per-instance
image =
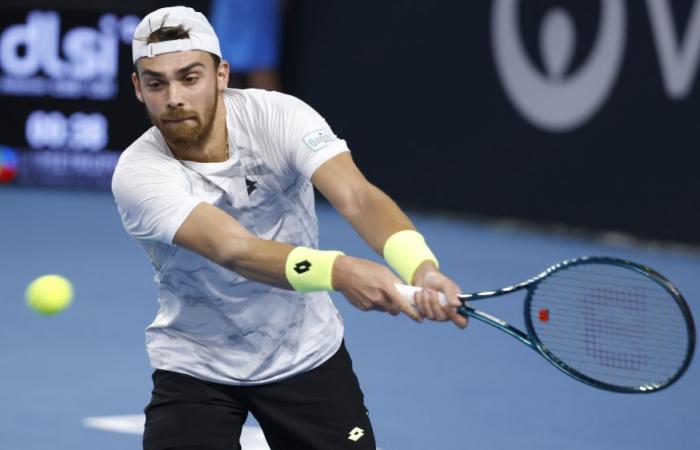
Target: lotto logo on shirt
{"type": "Point", "coordinates": [319, 139]}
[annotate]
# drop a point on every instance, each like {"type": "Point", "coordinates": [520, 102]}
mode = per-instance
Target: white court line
{"type": "Point", "coordinates": [252, 437]}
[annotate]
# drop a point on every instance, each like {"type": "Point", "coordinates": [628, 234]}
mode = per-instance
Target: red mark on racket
{"type": "Point", "coordinates": [543, 315]}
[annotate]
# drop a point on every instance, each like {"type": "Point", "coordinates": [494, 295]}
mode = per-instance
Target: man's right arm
{"type": "Point", "coordinates": [217, 236]}
{"type": "Point", "coordinates": [155, 205]}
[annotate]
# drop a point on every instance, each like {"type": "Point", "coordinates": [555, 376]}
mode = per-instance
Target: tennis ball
{"type": "Point", "coordinates": [49, 294]}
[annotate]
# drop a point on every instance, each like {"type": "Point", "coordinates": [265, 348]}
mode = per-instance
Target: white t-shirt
{"type": "Point", "coordinates": [212, 323]}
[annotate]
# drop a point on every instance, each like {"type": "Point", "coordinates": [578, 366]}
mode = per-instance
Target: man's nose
{"type": "Point", "coordinates": [174, 96]}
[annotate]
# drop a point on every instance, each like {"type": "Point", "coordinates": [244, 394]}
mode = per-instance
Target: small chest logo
{"type": "Point", "coordinates": [250, 185]}
{"type": "Point", "coordinates": [319, 139]}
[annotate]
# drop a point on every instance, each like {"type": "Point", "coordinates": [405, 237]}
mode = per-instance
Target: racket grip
{"type": "Point", "coordinates": [407, 292]}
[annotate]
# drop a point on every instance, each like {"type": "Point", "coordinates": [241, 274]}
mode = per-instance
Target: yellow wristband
{"type": "Point", "coordinates": [309, 270]}
{"type": "Point", "coordinates": [405, 251]}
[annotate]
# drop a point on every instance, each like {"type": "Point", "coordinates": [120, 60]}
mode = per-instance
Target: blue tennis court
{"type": "Point", "coordinates": [80, 380]}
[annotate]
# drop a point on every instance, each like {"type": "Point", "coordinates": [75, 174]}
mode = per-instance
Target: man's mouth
{"type": "Point", "coordinates": [182, 119]}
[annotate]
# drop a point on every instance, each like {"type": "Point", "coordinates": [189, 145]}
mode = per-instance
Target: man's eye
{"type": "Point", "coordinates": [191, 80]}
{"type": "Point", "coordinates": [154, 85]}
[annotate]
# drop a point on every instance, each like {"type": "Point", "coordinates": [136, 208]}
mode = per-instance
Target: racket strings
{"type": "Point", "coordinates": [564, 333]}
{"type": "Point", "coordinates": [568, 299]}
{"type": "Point", "coordinates": [599, 297]}
{"type": "Point", "coordinates": [665, 319]}
{"type": "Point", "coordinates": [621, 323]}
{"type": "Point", "coordinates": [598, 270]}
{"type": "Point", "coordinates": [566, 289]}
{"type": "Point", "coordinates": [625, 368]}
{"type": "Point", "coordinates": [624, 380]}
{"type": "Point", "coordinates": [664, 353]}
{"type": "Point", "coordinates": [611, 324]}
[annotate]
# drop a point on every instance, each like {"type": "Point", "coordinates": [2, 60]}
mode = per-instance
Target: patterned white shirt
{"type": "Point", "coordinates": [214, 324]}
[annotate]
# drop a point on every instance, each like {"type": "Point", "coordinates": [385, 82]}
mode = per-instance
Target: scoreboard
{"type": "Point", "coordinates": [67, 101]}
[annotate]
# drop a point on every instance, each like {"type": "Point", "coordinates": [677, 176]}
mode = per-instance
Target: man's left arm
{"type": "Point", "coordinates": [376, 218]}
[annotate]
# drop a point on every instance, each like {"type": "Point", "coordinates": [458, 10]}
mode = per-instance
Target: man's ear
{"type": "Point", "coordinates": [137, 86]}
{"type": "Point", "coordinates": [222, 73]}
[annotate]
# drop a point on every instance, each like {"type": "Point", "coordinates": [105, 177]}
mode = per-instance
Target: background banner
{"type": "Point", "coordinates": [580, 113]}
{"type": "Point", "coordinates": [569, 112]}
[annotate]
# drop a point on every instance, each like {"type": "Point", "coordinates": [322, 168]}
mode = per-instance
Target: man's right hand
{"type": "Point", "coordinates": [370, 286]}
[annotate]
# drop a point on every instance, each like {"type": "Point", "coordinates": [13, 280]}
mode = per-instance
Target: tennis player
{"type": "Point", "coordinates": [219, 192]}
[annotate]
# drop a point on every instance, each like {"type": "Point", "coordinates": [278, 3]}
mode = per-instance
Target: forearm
{"type": "Point", "coordinates": [257, 259]}
{"type": "Point", "coordinates": [375, 217]}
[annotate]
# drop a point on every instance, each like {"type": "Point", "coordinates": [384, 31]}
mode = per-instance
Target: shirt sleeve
{"type": "Point", "coordinates": [303, 137]}
{"type": "Point", "coordinates": [152, 198]}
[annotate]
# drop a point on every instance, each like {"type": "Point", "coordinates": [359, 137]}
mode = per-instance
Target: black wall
{"type": "Point", "coordinates": [414, 88]}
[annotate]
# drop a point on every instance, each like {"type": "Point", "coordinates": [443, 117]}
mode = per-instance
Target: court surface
{"type": "Point", "coordinates": [428, 387]}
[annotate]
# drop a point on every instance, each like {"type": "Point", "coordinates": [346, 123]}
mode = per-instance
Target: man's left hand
{"type": "Point", "coordinates": [433, 282]}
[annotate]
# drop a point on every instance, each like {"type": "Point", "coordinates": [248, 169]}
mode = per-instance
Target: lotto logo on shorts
{"type": "Point", "coordinates": [302, 266]}
{"type": "Point", "coordinates": [355, 434]}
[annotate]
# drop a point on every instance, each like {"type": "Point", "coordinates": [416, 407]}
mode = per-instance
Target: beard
{"type": "Point", "coordinates": [187, 128]}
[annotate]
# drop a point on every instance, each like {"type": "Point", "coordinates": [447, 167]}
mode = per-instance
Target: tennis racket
{"type": "Point", "coordinates": [607, 322]}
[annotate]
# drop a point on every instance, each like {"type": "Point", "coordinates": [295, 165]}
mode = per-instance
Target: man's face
{"type": "Point", "coordinates": [180, 91]}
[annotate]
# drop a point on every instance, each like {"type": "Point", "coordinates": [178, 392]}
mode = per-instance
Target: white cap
{"type": "Point", "coordinates": [202, 35]}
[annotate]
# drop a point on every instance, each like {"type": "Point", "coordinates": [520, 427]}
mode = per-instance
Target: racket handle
{"type": "Point", "coordinates": [407, 292]}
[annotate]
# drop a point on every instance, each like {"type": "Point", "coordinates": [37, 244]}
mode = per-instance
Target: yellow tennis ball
{"type": "Point", "coordinates": [49, 294]}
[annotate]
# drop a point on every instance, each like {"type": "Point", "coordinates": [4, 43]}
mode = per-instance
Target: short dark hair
{"type": "Point", "coordinates": [174, 33]}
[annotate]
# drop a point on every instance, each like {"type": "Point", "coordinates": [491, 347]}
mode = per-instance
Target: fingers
{"type": "Point", "coordinates": [452, 292]}
{"type": "Point", "coordinates": [377, 300]}
{"type": "Point", "coordinates": [423, 305]}
{"type": "Point", "coordinates": [428, 302]}
{"type": "Point", "coordinates": [402, 304]}
{"type": "Point", "coordinates": [373, 289]}
{"type": "Point", "coordinates": [389, 307]}
{"type": "Point", "coordinates": [459, 320]}
{"type": "Point", "coordinates": [377, 303]}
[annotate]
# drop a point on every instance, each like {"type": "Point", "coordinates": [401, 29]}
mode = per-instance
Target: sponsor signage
{"type": "Point", "coordinates": [64, 79]}
{"type": "Point", "coordinates": [581, 113]}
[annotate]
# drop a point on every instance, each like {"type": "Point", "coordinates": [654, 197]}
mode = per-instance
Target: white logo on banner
{"type": "Point", "coordinates": [557, 100]}
{"type": "Point", "coordinates": [679, 60]}
{"type": "Point", "coordinates": [39, 57]}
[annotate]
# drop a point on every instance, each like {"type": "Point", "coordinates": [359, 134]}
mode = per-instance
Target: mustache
{"type": "Point", "coordinates": [180, 115]}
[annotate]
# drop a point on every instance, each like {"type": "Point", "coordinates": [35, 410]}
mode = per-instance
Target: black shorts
{"type": "Point", "coordinates": [320, 409]}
